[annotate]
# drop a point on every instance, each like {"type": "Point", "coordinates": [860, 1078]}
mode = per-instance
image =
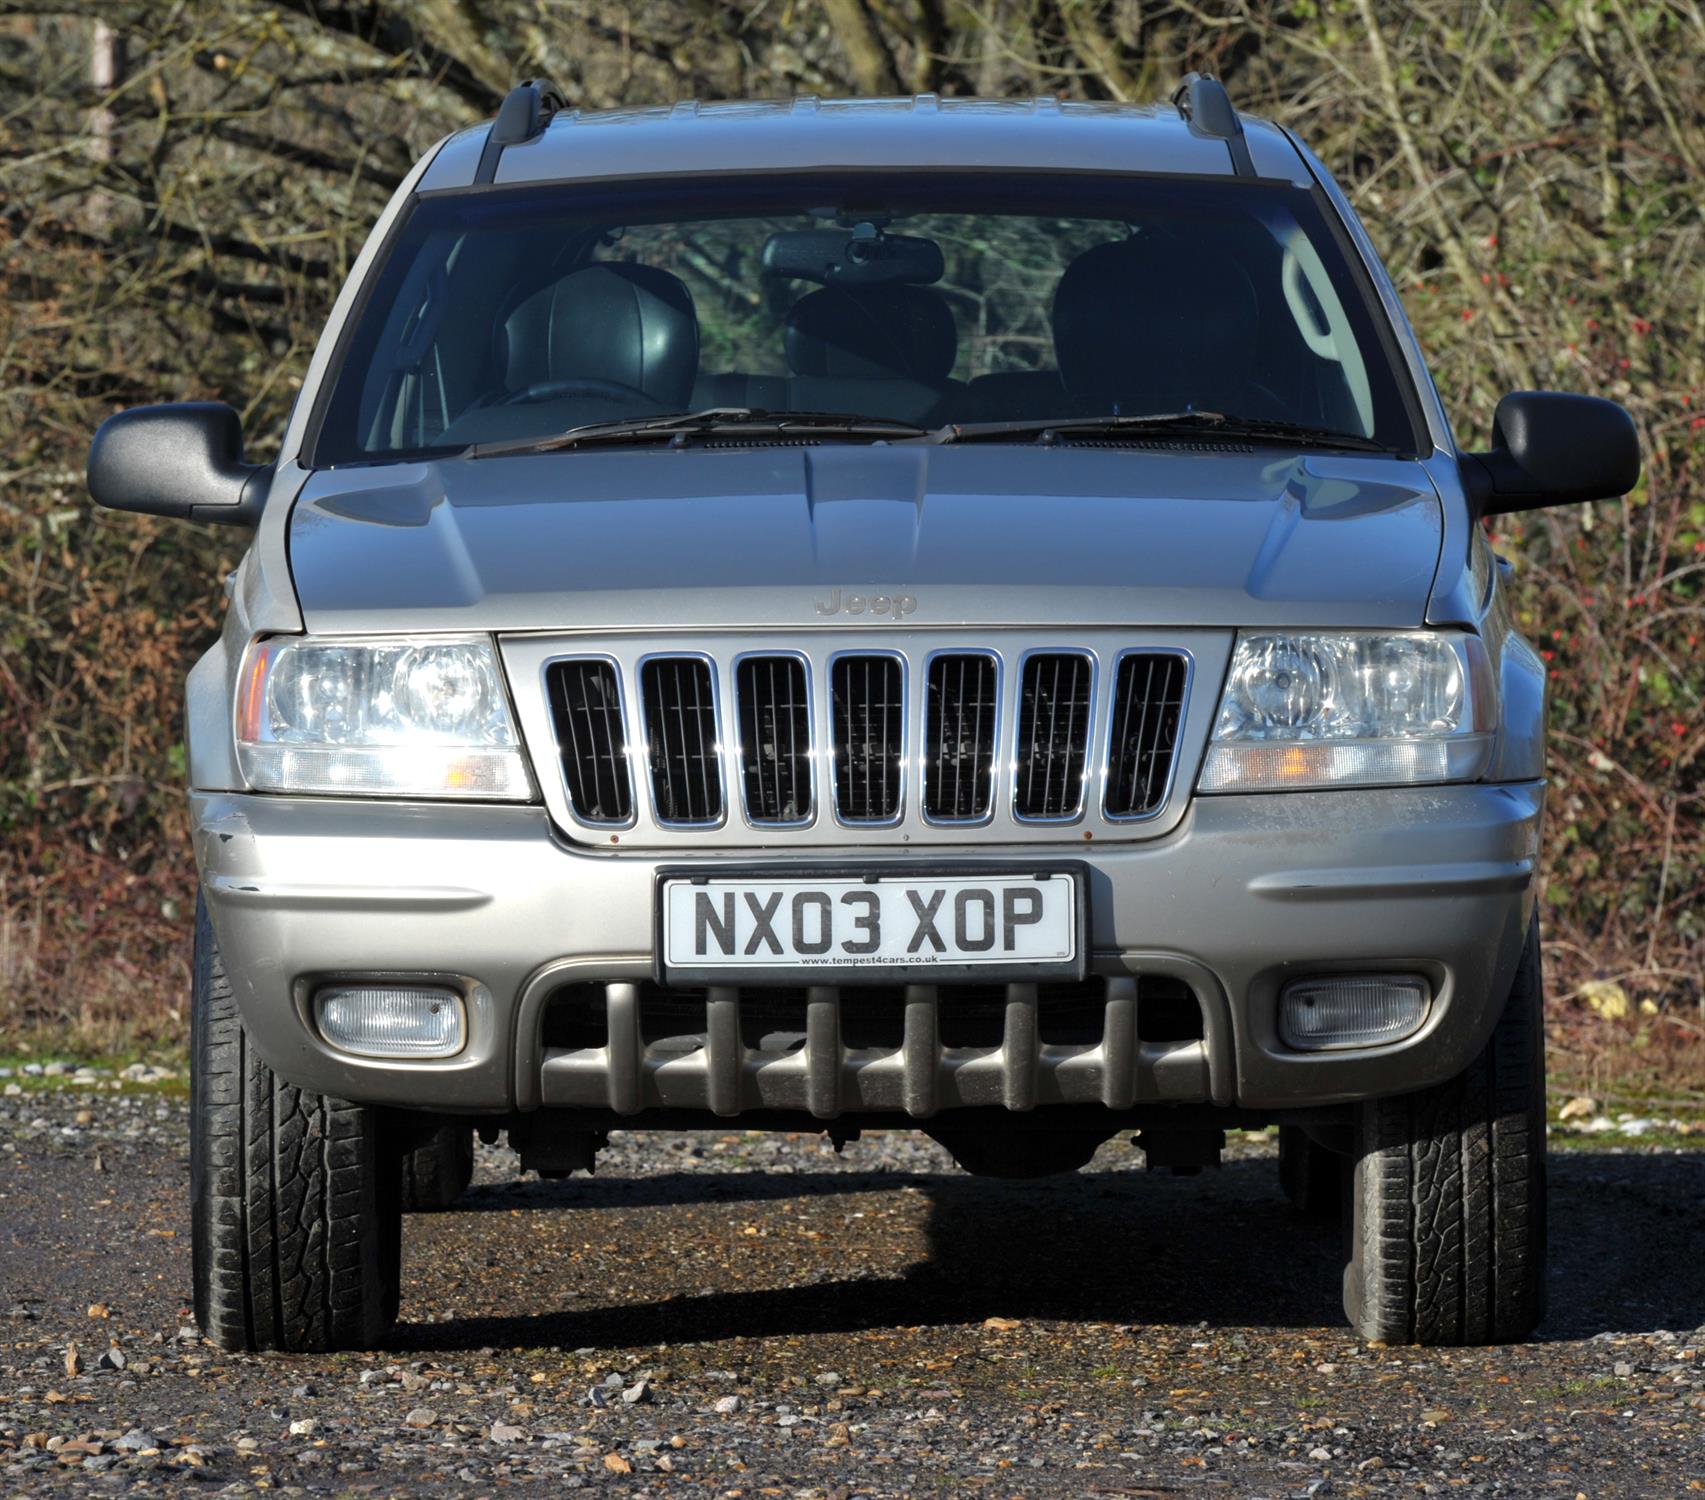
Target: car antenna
{"type": "Point", "coordinates": [526, 110]}
{"type": "Point", "coordinates": [1206, 108]}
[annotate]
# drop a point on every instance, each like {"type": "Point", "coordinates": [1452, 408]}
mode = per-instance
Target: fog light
{"type": "Point", "coordinates": [1351, 1010]}
{"type": "Point", "coordinates": [392, 1020]}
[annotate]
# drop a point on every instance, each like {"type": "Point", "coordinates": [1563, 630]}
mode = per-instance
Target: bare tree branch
{"type": "Point", "coordinates": [867, 51]}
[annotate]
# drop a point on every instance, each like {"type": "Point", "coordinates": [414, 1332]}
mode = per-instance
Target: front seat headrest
{"type": "Point", "coordinates": [1156, 321]}
{"type": "Point", "coordinates": [612, 320]}
{"type": "Point", "coordinates": [872, 332]}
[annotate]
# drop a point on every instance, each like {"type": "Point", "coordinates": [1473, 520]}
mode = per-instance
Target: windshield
{"type": "Point", "coordinates": [921, 298]}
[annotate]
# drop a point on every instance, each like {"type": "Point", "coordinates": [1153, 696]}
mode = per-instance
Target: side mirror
{"type": "Point", "coordinates": [183, 460]}
{"type": "Point", "coordinates": [1553, 449]}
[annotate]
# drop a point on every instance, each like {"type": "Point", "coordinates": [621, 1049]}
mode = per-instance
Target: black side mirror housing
{"type": "Point", "coordinates": [1549, 448]}
{"type": "Point", "coordinates": [183, 460]}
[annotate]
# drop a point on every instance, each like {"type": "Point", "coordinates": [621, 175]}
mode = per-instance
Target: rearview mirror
{"type": "Point", "coordinates": [183, 460]}
{"type": "Point", "coordinates": [1549, 448]}
{"type": "Point", "coordinates": [861, 256]}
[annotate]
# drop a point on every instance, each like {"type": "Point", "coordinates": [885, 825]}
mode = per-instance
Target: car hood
{"type": "Point", "coordinates": [774, 536]}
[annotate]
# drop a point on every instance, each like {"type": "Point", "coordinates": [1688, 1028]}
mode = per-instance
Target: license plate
{"type": "Point", "coordinates": [873, 929]}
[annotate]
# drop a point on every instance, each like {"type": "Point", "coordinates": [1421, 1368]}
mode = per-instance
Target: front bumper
{"type": "Point", "coordinates": [1246, 893]}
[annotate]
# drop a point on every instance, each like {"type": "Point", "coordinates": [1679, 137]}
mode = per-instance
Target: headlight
{"type": "Point", "coordinates": [1350, 708]}
{"type": "Point", "coordinates": [414, 717]}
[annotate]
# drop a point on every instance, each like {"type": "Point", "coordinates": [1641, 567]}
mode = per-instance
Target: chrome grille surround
{"type": "Point", "coordinates": [1035, 669]}
{"type": "Point", "coordinates": [742, 748]}
{"type": "Point", "coordinates": [841, 740]}
{"type": "Point", "coordinates": [933, 737]}
{"type": "Point", "coordinates": [1205, 653]}
{"type": "Point", "coordinates": [602, 750]}
{"type": "Point", "coordinates": [657, 741]}
{"type": "Point", "coordinates": [1168, 719]}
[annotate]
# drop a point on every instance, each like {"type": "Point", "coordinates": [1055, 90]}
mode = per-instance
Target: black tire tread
{"type": "Point", "coordinates": [296, 1232]}
{"type": "Point", "coordinates": [1447, 1235]}
{"type": "Point", "coordinates": [1309, 1174]}
{"type": "Point", "coordinates": [438, 1168]}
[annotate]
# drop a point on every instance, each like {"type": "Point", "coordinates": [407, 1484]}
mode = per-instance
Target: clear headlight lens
{"type": "Point", "coordinates": [1351, 708]}
{"type": "Point", "coordinates": [415, 717]}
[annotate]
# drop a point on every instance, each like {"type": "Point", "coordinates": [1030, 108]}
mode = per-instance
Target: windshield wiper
{"type": "Point", "coordinates": [746, 420]}
{"type": "Point", "coordinates": [1261, 429]}
{"type": "Point", "coordinates": [677, 427]}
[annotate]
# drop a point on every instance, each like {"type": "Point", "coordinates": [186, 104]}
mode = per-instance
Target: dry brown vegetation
{"type": "Point", "coordinates": [181, 196]}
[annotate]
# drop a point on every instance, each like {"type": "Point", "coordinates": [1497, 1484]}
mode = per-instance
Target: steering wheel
{"type": "Point", "coordinates": [578, 385]}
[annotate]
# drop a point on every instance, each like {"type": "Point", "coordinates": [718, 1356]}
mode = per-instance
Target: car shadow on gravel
{"type": "Point", "coordinates": [1119, 1247]}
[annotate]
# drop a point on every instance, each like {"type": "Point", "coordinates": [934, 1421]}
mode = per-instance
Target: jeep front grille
{"type": "Point", "coordinates": [868, 712]}
{"type": "Point", "coordinates": [681, 741]}
{"type": "Point", "coordinates": [832, 737]}
{"type": "Point", "coordinates": [959, 736]}
{"type": "Point", "coordinates": [1148, 701]}
{"type": "Point", "coordinates": [586, 703]}
{"type": "Point", "coordinates": [775, 739]}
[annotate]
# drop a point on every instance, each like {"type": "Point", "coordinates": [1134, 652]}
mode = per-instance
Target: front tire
{"type": "Point", "coordinates": [1447, 1233]}
{"type": "Point", "coordinates": [297, 1228]}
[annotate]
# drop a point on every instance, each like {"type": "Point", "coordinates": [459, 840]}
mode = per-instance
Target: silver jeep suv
{"type": "Point", "coordinates": [836, 614]}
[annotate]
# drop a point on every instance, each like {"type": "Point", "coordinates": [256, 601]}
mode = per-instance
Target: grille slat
{"type": "Point", "coordinates": [587, 704]}
{"type": "Point", "coordinates": [1150, 689]}
{"type": "Point", "coordinates": [775, 737]}
{"type": "Point", "coordinates": [1053, 734]}
{"type": "Point", "coordinates": [703, 711]}
{"type": "Point", "coordinates": [866, 715]}
{"type": "Point", "coordinates": [960, 731]}
{"type": "Point", "coordinates": [681, 741]}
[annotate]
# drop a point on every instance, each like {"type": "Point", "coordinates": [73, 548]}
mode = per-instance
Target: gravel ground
{"type": "Point", "coordinates": [737, 1315]}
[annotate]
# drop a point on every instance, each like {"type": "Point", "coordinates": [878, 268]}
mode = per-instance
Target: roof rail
{"type": "Point", "coordinates": [1205, 106]}
{"type": "Point", "coordinates": [525, 111]}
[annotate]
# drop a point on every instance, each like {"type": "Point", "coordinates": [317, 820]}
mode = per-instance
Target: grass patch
{"type": "Point", "coordinates": [1610, 1140]}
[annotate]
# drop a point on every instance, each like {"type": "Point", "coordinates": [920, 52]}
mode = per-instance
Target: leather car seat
{"type": "Point", "coordinates": [883, 351]}
{"type": "Point", "coordinates": [1157, 325]}
{"type": "Point", "coordinates": [612, 320]}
